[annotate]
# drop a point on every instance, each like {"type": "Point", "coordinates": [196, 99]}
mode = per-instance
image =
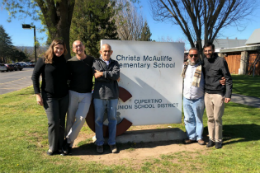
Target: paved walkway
{"type": "Point", "coordinates": [246, 100]}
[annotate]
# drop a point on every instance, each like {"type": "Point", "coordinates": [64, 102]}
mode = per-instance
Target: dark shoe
{"type": "Point", "coordinates": [100, 149]}
{"type": "Point", "coordinates": [189, 141]}
{"type": "Point", "coordinates": [50, 152]}
{"type": "Point", "coordinates": [66, 147]}
{"type": "Point", "coordinates": [70, 150]}
{"type": "Point", "coordinates": [218, 145]}
{"type": "Point", "coordinates": [210, 143]}
{"type": "Point", "coordinates": [60, 152]}
{"type": "Point", "coordinates": [113, 148]}
{"type": "Point", "coordinates": [201, 142]}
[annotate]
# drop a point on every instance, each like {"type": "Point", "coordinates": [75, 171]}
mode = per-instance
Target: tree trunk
{"type": "Point", "coordinates": [63, 32]}
{"type": "Point", "coordinates": [58, 16]}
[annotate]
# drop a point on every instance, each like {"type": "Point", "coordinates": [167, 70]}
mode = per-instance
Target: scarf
{"type": "Point", "coordinates": [197, 74]}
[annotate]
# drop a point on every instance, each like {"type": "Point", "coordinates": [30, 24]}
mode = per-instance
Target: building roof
{"type": "Point", "coordinates": [254, 38]}
{"type": "Point", "coordinates": [227, 43]}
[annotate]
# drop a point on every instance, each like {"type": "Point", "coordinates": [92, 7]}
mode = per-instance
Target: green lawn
{"type": "Point", "coordinates": [246, 85]}
{"type": "Point", "coordinates": [23, 139]}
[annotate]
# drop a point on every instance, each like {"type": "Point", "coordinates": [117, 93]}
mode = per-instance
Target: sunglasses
{"type": "Point", "coordinates": [195, 55]}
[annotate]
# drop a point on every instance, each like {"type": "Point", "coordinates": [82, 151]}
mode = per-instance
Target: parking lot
{"type": "Point", "coordinates": [15, 80]}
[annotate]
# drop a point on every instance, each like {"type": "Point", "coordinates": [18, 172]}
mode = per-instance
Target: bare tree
{"type": "Point", "coordinates": [202, 19]}
{"type": "Point", "coordinates": [170, 39]}
{"type": "Point", "coordinates": [129, 21]}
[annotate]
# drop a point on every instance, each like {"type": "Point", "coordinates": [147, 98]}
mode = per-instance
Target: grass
{"type": "Point", "coordinates": [24, 142]}
{"type": "Point", "coordinates": [246, 85]}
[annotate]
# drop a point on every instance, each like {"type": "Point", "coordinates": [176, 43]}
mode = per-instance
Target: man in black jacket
{"type": "Point", "coordinates": [105, 96]}
{"type": "Point", "coordinates": [215, 93]}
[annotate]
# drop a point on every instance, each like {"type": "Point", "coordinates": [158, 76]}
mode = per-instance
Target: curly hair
{"type": "Point", "coordinates": [48, 56]}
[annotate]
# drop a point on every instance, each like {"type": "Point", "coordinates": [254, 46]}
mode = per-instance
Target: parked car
{"type": "Point", "coordinates": [9, 67]}
{"type": "Point", "coordinates": [2, 67]}
{"type": "Point", "coordinates": [18, 66]}
{"type": "Point", "coordinates": [30, 64]}
{"type": "Point", "coordinates": [15, 67]}
{"type": "Point", "coordinates": [23, 64]}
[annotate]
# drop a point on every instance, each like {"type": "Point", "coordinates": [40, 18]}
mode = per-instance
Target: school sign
{"type": "Point", "coordinates": [150, 73]}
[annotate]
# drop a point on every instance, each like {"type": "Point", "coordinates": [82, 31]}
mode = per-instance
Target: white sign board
{"type": "Point", "coordinates": [151, 72]}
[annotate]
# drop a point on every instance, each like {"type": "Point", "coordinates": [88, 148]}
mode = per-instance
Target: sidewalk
{"type": "Point", "coordinates": [246, 100]}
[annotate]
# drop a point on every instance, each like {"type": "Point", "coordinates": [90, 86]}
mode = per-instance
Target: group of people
{"type": "Point", "coordinates": [207, 83]}
{"type": "Point", "coordinates": [67, 89]}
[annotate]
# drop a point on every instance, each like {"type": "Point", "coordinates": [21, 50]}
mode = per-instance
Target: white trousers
{"type": "Point", "coordinates": [78, 109]}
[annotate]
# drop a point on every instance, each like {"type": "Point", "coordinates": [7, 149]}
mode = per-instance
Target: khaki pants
{"type": "Point", "coordinates": [215, 109]}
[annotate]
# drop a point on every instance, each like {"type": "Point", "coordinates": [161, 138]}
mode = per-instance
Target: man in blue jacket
{"type": "Point", "coordinates": [106, 93]}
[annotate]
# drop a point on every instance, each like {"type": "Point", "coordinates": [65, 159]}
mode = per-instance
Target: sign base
{"type": "Point", "coordinates": [151, 135]}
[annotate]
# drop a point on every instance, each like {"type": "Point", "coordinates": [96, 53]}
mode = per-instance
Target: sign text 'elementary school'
{"type": "Point", "coordinates": [145, 61]}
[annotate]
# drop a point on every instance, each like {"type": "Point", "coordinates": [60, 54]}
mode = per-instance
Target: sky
{"type": "Point", "coordinates": [24, 37]}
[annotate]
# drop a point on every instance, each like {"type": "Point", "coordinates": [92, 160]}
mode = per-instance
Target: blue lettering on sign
{"type": "Point", "coordinates": [167, 105]}
{"type": "Point", "coordinates": [135, 65]}
{"type": "Point", "coordinates": [148, 101]}
{"type": "Point", "coordinates": [163, 65]}
{"type": "Point", "coordinates": [124, 107]}
{"type": "Point", "coordinates": [127, 58]}
{"type": "Point", "coordinates": [148, 104]}
{"type": "Point", "coordinates": [157, 58]}
{"type": "Point", "coordinates": [144, 106]}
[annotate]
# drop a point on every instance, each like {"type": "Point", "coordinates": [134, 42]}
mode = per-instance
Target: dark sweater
{"type": "Point", "coordinates": [80, 74]}
{"type": "Point", "coordinates": [106, 87]}
{"type": "Point", "coordinates": [214, 69]}
{"type": "Point", "coordinates": [54, 77]}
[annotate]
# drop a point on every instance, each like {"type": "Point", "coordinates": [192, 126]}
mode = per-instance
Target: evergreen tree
{"type": "Point", "coordinates": [6, 45]}
{"type": "Point", "coordinates": [91, 22]}
{"type": "Point", "coordinates": [18, 55]}
{"type": "Point", "coordinates": [146, 34]}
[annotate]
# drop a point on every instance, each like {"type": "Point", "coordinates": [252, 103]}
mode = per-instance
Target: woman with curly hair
{"type": "Point", "coordinates": [54, 92]}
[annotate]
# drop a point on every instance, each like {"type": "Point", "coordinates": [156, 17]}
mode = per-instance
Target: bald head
{"type": "Point", "coordinates": [78, 48]}
{"type": "Point", "coordinates": [76, 42]}
{"type": "Point", "coordinates": [106, 45]}
{"type": "Point", "coordinates": [106, 52]}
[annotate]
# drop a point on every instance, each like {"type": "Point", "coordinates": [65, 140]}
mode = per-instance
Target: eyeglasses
{"type": "Point", "coordinates": [76, 46]}
{"type": "Point", "coordinates": [195, 55]}
{"type": "Point", "coordinates": [107, 51]}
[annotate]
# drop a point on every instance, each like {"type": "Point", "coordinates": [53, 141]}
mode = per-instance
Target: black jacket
{"type": "Point", "coordinates": [214, 69]}
{"type": "Point", "coordinates": [54, 77]}
{"type": "Point", "coordinates": [106, 87]}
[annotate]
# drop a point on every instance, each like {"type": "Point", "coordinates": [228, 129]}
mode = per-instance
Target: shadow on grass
{"type": "Point", "coordinates": [238, 105]}
{"type": "Point", "coordinates": [241, 133]}
{"type": "Point", "coordinates": [238, 133]}
{"type": "Point", "coordinates": [90, 148]}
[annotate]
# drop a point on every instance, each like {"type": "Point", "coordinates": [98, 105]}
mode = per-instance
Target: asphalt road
{"type": "Point", "coordinates": [15, 80]}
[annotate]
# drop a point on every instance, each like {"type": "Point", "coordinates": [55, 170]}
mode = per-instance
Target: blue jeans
{"type": "Point", "coordinates": [100, 106]}
{"type": "Point", "coordinates": [193, 113]}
